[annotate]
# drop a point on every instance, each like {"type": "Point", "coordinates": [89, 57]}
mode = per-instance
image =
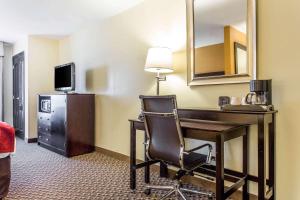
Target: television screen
{"type": "Point", "coordinates": [64, 79]}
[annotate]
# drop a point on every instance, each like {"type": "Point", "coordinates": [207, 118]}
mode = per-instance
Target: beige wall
{"type": "Point", "coordinates": [43, 55]}
{"type": "Point", "coordinates": [110, 57]}
{"type": "Point", "coordinates": [278, 58]}
{"type": "Point", "coordinates": [64, 51]}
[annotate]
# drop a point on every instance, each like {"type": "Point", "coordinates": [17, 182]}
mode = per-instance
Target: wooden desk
{"type": "Point", "coordinates": [264, 120]}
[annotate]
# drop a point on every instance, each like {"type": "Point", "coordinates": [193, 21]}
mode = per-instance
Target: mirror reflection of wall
{"type": "Point", "coordinates": [220, 37]}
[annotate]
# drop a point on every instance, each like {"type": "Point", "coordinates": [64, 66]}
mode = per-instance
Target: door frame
{"type": "Point", "coordinates": [16, 58]}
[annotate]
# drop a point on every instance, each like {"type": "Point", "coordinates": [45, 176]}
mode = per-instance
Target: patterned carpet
{"type": "Point", "coordinates": [39, 174]}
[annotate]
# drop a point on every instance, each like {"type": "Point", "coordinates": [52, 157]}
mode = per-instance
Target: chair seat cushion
{"type": "Point", "coordinates": [193, 160]}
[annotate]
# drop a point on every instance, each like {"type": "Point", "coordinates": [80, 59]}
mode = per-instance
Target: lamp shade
{"type": "Point", "coordinates": [159, 59]}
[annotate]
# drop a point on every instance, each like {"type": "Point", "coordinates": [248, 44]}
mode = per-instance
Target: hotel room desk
{"type": "Point", "coordinates": [263, 120]}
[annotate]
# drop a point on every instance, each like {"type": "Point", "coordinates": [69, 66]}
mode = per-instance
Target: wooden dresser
{"type": "Point", "coordinates": [66, 123]}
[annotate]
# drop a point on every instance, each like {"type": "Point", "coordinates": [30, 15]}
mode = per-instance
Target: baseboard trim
{"type": "Point", "coordinates": [31, 140]}
{"type": "Point", "coordinates": [187, 179]}
{"type": "Point", "coordinates": [113, 154]}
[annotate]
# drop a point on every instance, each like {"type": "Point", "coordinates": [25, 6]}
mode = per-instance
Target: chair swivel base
{"type": "Point", "coordinates": [177, 189]}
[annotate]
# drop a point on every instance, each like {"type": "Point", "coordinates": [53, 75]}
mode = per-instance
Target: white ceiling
{"type": "Point", "coordinates": [55, 18]}
{"type": "Point", "coordinates": [212, 15]}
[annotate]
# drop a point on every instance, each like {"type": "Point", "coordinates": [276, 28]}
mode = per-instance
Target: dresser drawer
{"type": "Point", "coordinates": [47, 138]}
{"type": "Point", "coordinates": [45, 120]}
{"type": "Point", "coordinates": [44, 138]}
{"type": "Point", "coordinates": [44, 129]}
{"type": "Point", "coordinates": [44, 123]}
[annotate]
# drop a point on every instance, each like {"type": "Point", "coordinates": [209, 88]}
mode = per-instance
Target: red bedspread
{"type": "Point", "coordinates": [7, 138]}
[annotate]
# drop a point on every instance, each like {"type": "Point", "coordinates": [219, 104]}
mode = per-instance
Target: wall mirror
{"type": "Point", "coordinates": [221, 41]}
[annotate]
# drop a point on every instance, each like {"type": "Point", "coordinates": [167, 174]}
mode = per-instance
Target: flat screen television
{"type": "Point", "coordinates": [64, 77]}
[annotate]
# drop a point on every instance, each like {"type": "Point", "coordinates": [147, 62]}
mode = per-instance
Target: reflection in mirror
{"type": "Point", "coordinates": [220, 38]}
{"type": "Point", "coordinates": [240, 55]}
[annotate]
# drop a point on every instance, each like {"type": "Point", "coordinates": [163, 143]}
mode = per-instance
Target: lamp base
{"type": "Point", "coordinates": [158, 79]}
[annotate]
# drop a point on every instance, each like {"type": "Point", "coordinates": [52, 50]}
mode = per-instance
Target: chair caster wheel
{"type": "Point", "coordinates": [147, 191]}
{"type": "Point", "coordinates": [210, 197]}
{"type": "Point", "coordinates": [133, 191]}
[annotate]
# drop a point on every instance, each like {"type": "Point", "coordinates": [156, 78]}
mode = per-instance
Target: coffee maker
{"type": "Point", "coordinates": [260, 93]}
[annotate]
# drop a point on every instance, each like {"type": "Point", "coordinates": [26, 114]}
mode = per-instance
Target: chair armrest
{"type": "Point", "coordinates": [198, 148]}
{"type": "Point", "coordinates": [209, 155]}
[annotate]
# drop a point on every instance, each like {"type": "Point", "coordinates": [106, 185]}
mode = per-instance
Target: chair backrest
{"type": "Point", "coordinates": [164, 138]}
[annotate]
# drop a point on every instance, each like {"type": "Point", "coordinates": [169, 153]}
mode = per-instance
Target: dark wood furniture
{"type": "Point", "coordinates": [66, 123]}
{"type": "Point", "coordinates": [264, 120]}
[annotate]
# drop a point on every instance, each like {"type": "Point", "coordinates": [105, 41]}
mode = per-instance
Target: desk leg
{"type": "Point", "coordinates": [220, 167]}
{"type": "Point", "coordinates": [246, 163]}
{"type": "Point", "coordinates": [272, 154]}
{"type": "Point", "coordinates": [261, 158]}
{"type": "Point", "coordinates": [147, 167]}
{"type": "Point", "coordinates": [132, 156]}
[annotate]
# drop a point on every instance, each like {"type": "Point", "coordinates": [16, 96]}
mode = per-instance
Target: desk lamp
{"type": "Point", "coordinates": [159, 60]}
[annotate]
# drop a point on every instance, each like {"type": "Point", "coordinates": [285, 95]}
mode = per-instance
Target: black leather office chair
{"type": "Point", "coordinates": [165, 142]}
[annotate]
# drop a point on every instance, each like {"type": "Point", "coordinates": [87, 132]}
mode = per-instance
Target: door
{"type": "Point", "coordinates": [18, 94]}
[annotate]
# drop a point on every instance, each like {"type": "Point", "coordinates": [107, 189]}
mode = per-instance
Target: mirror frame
{"type": "Point", "coordinates": [251, 47]}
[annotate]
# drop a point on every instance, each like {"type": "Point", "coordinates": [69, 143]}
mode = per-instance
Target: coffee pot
{"type": "Point", "coordinates": [256, 99]}
{"type": "Point", "coordinates": [260, 92]}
